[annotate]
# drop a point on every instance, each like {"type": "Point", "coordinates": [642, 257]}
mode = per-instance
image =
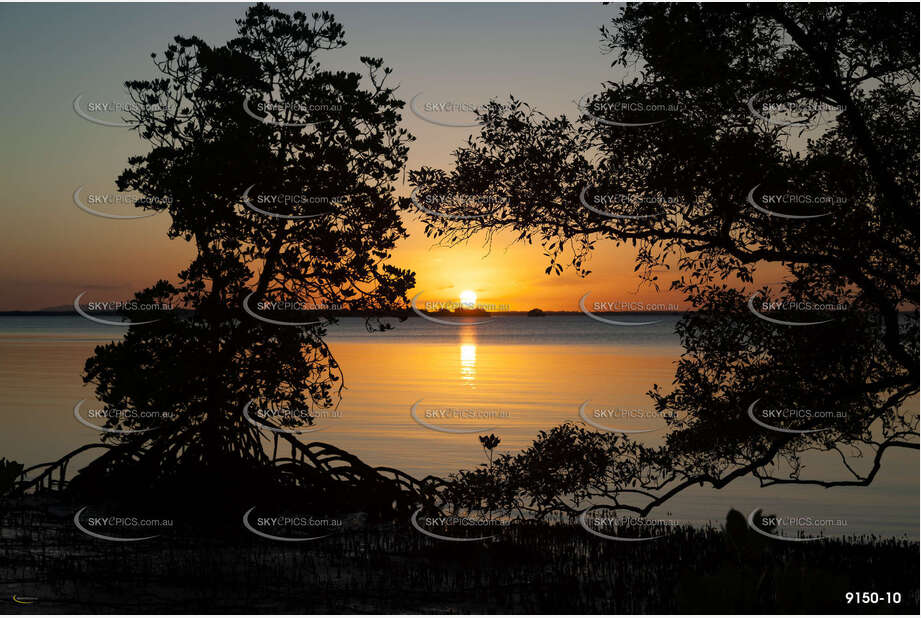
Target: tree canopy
{"type": "Point", "coordinates": [744, 137]}
{"type": "Point", "coordinates": [280, 172]}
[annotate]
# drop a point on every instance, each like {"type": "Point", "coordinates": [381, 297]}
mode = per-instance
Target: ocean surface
{"type": "Point", "coordinates": [513, 376]}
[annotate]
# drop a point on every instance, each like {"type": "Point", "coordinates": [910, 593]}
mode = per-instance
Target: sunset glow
{"type": "Point", "coordinates": [468, 299]}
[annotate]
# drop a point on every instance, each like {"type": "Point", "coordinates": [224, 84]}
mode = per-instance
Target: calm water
{"type": "Point", "coordinates": [514, 375]}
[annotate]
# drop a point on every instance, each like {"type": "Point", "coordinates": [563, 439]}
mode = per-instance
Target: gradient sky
{"type": "Point", "coordinates": [545, 54]}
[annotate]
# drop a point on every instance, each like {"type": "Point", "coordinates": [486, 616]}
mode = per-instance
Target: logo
{"type": "Point", "coordinates": [805, 306]}
{"type": "Point", "coordinates": [252, 313]}
{"type": "Point", "coordinates": [435, 213]}
{"type": "Point", "coordinates": [445, 107]}
{"type": "Point", "coordinates": [585, 106]}
{"type": "Point", "coordinates": [443, 308]}
{"type": "Point", "coordinates": [280, 199]}
{"type": "Point", "coordinates": [112, 521]}
{"type": "Point", "coordinates": [109, 414]}
{"type": "Point", "coordinates": [775, 521]}
{"type": "Point", "coordinates": [265, 414]}
{"type": "Point", "coordinates": [605, 414]}
{"type": "Point", "coordinates": [806, 115]}
{"type": "Point", "coordinates": [784, 413]}
{"type": "Point", "coordinates": [103, 200]}
{"type": "Point", "coordinates": [283, 108]}
{"type": "Point", "coordinates": [614, 522]}
{"type": "Point", "coordinates": [109, 107]}
{"type": "Point", "coordinates": [751, 200]}
{"type": "Point", "coordinates": [452, 521]}
{"type": "Point", "coordinates": [605, 200]}
{"type": "Point", "coordinates": [604, 307]}
{"type": "Point", "coordinates": [288, 522]}
{"type": "Point", "coordinates": [105, 306]}
{"type": "Point", "coordinates": [454, 414]}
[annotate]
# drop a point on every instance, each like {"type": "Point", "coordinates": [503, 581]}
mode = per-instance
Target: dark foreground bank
{"type": "Point", "coordinates": [48, 566]}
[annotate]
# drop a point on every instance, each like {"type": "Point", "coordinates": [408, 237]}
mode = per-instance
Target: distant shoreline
{"type": "Point", "coordinates": [43, 313]}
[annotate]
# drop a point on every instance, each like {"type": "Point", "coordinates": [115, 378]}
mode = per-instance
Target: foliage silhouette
{"type": "Point", "coordinates": [9, 471]}
{"type": "Point", "coordinates": [727, 102]}
{"type": "Point", "coordinates": [489, 444]}
{"type": "Point", "coordinates": [280, 172]}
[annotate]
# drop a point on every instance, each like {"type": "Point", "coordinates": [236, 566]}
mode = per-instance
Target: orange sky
{"type": "Point", "coordinates": [112, 259]}
{"type": "Point", "coordinates": [513, 274]}
{"type": "Point", "coordinates": [50, 251]}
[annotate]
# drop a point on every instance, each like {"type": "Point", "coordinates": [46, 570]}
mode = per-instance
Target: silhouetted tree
{"type": "Point", "coordinates": [816, 100]}
{"type": "Point", "coordinates": [9, 472]}
{"type": "Point", "coordinates": [227, 125]}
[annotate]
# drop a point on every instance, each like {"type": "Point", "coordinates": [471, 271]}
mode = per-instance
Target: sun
{"type": "Point", "coordinates": [468, 299]}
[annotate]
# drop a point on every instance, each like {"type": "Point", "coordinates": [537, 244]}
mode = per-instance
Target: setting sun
{"type": "Point", "coordinates": [468, 299]}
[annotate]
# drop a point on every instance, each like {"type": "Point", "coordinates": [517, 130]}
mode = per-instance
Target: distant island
{"type": "Point", "coordinates": [461, 312]}
{"type": "Point", "coordinates": [536, 313]}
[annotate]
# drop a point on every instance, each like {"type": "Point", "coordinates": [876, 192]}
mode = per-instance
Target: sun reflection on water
{"type": "Point", "coordinates": [468, 361]}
